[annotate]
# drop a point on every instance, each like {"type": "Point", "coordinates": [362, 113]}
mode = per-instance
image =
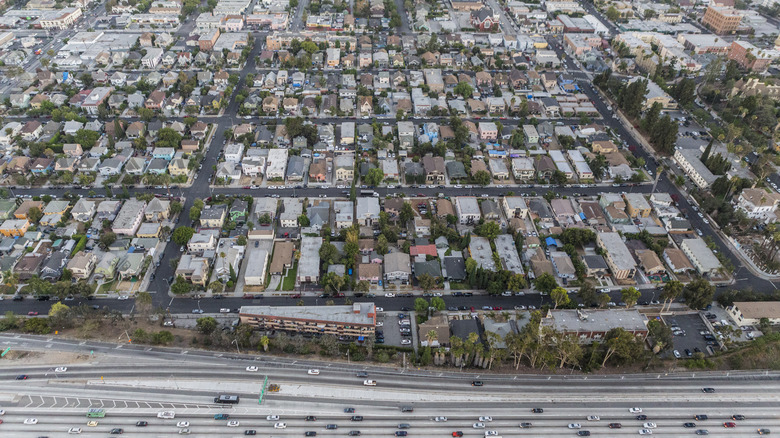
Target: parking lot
{"type": "Point", "coordinates": [692, 340]}
{"type": "Point", "coordinates": [391, 328]}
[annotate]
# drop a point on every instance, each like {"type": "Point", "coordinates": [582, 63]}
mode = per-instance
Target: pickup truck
{"type": "Point", "coordinates": [166, 414]}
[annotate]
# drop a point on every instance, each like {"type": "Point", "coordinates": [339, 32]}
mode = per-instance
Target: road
{"type": "Point", "coordinates": [156, 381]}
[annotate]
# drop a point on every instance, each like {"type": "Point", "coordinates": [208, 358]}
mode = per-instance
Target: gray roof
{"type": "Point", "coordinates": [577, 321]}
{"type": "Point", "coordinates": [325, 314]}
{"type": "Point", "coordinates": [456, 267]}
{"type": "Point", "coordinates": [432, 268]}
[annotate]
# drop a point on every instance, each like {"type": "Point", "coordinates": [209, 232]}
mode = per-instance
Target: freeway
{"type": "Point", "coordinates": [183, 381]}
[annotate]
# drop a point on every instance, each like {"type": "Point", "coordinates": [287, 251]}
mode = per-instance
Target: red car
{"type": "Point", "coordinates": [458, 433]}
{"type": "Point", "coordinates": [32, 313]}
{"type": "Point", "coordinates": [729, 424]}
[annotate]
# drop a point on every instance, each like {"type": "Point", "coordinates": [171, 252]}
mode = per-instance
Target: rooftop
{"type": "Point", "coordinates": [358, 313]}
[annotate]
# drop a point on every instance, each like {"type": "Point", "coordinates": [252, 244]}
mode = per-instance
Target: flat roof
{"type": "Point", "coordinates": [365, 314]}
{"type": "Point", "coordinates": [595, 320]}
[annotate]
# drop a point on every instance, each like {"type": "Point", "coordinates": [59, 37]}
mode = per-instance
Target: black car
{"type": "Point", "coordinates": [310, 433]}
{"type": "Point", "coordinates": [689, 425]}
{"type": "Point", "coordinates": [401, 433]}
{"type": "Point", "coordinates": [250, 432]}
{"type": "Point", "coordinates": [141, 423]}
{"type": "Point", "coordinates": [349, 410]}
{"type": "Point", "coordinates": [525, 425]}
{"type": "Point", "coordinates": [763, 431]}
{"type": "Point", "coordinates": [701, 417]}
{"type": "Point", "coordinates": [537, 410]}
{"type": "Point", "coordinates": [583, 433]}
{"type": "Point", "coordinates": [354, 433]}
{"type": "Point", "coordinates": [22, 377]}
{"type": "Point", "coordinates": [738, 417]}
{"type": "Point", "coordinates": [407, 409]}
{"type": "Point", "coordinates": [688, 352]}
{"type": "Point", "coordinates": [641, 417]}
{"type": "Point", "coordinates": [357, 418]}
{"type": "Point", "coordinates": [406, 309]}
{"type": "Point", "coordinates": [117, 431]}
{"type": "Point", "coordinates": [332, 426]}
{"type": "Point", "coordinates": [615, 425]}
{"type": "Point", "coordinates": [708, 390]}
{"type": "Point", "coordinates": [311, 418]}
{"type": "Point", "coordinates": [463, 308]}
{"type": "Point", "coordinates": [477, 383]}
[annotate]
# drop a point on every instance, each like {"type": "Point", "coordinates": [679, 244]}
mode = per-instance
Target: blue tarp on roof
{"type": "Point", "coordinates": [550, 241]}
{"type": "Point", "coordinates": [582, 216]}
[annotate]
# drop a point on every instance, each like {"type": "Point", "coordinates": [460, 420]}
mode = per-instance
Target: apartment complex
{"type": "Point", "coordinates": [354, 322]}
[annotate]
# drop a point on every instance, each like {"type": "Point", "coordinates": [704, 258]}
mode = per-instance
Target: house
{"type": "Point", "coordinates": [42, 166]}
{"type": "Point", "coordinates": [194, 269]}
{"type": "Point", "coordinates": [130, 265]}
{"type": "Point", "coordinates": [488, 131]}
{"type": "Point", "coordinates": [367, 211]}
{"type": "Point", "coordinates": [371, 272]}
{"type": "Point", "coordinates": [617, 255]}
{"type": "Point", "coordinates": [83, 210]}
{"type": "Point", "coordinates": [52, 268]}
{"type": "Point", "coordinates": [701, 256]}
{"type": "Point", "coordinates": [82, 264]}
{"type": "Point", "coordinates": [14, 227]}
{"type": "Point", "coordinates": [758, 204]}
{"type": "Point", "coordinates": [129, 217]}
{"type": "Point", "coordinates": [72, 150]}
{"type": "Point", "coordinates": [588, 326]}
{"type": "Point", "coordinates": [485, 20]}
{"type": "Point", "coordinates": [434, 169]}
{"type": "Point", "coordinates": [344, 166]}
{"type": "Point", "coordinates": [213, 216]}
{"type": "Point", "coordinates": [157, 210]}
{"type": "Point", "coordinates": [398, 267]}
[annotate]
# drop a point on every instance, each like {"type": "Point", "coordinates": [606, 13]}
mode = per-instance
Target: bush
{"type": "Point", "coordinates": [39, 326]}
{"type": "Point", "coordinates": [163, 337]}
{"type": "Point", "coordinates": [382, 357]}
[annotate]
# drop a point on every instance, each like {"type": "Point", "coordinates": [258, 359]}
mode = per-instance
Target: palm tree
{"type": "Point", "coordinates": [264, 341]}
{"type": "Point", "coordinates": [431, 336]}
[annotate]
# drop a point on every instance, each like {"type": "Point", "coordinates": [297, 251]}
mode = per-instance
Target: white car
{"type": "Point", "coordinates": [123, 298]}
{"type": "Point", "coordinates": [379, 309]}
{"type": "Point", "coordinates": [272, 418]}
{"type": "Point", "coordinates": [635, 410]}
{"type": "Point", "coordinates": [649, 425]}
{"type": "Point", "coordinates": [593, 418]}
{"type": "Point", "coordinates": [645, 432]}
{"type": "Point", "coordinates": [406, 342]}
{"type": "Point", "coordinates": [280, 426]}
{"type": "Point", "coordinates": [74, 430]}
{"type": "Point", "coordinates": [389, 295]}
{"type": "Point", "coordinates": [491, 433]}
{"type": "Point", "coordinates": [233, 423]}
{"type": "Point", "coordinates": [252, 369]}
{"type": "Point", "coordinates": [575, 426]}
{"type": "Point", "coordinates": [314, 372]}
{"type": "Point", "coordinates": [440, 419]}
{"type": "Point", "coordinates": [380, 324]}
{"type": "Point", "coordinates": [60, 369]}
{"type": "Point", "coordinates": [31, 421]}
{"type": "Point", "coordinates": [2, 412]}
{"type": "Point", "coordinates": [485, 419]}
{"type": "Point", "coordinates": [183, 424]}
{"type": "Point", "coordinates": [478, 425]}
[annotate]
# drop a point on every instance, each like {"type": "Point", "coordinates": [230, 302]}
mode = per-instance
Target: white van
{"type": "Point", "coordinates": [369, 382]}
{"type": "Point", "coordinates": [166, 414]}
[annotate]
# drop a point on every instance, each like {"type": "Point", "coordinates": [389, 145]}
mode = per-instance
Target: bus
{"type": "Point", "coordinates": [96, 413]}
{"type": "Point", "coordinates": [226, 398]}
{"type": "Point", "coordinates": [370, 193]}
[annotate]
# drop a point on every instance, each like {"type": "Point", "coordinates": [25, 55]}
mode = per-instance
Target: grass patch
{"type": "Point", "coordinates": [106, 287]}
{"type": "Point", "coordinates": [288, 283]}
{"type": "Point", "coordinates": [454, 285]}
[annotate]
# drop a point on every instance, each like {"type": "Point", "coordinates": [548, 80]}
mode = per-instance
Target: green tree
{"type": "Point", "coordinates": [588, 294]}
{"type": "Point", "coordinates": [661, 336]}
{"type": "Point", "coordinates": [464, 89]}
{"type": "Point", "coordinates": [34, 214]}
{"type": "Point", "coordinates": [489, 230]}
{"type": "Point", "coordinates": [612, 13]}
{"type": "Point", "coordinates": [106, 239]}
{"type": "Point", "coordinates": [630, 296]}
{"type": "Point", "coordinates": [206, 325]}
{"type": "Point", "coordinates": [560, 297]}
{"type": "Point", "coordinates": [545, 283]}
{"type": "Point", "coordinates": [381, 245]}
{"type": "Point", "coordinates": [374, 177]}
{"type": "Point", "coordinates": [421, 306]}
{"type": "Point", "coordinates": [427, 282]}
{"type": "Point", "coordinates": [438, 303]}
{"type": "Point", "coordinates": [181, 286]}
{"type": "Point", "coordinates": [182, 235]}
{"type": "Point", "coordinates": [622, 346]}
{"type": "Point", "coordinates": [698, 293]}
{"type": "Point", "coordinates": [672, 290]}
{"type": "Point", "coordinates": [328, 253]}
{"type": "Point", "coordinates": [407, 213]}
{"type": "Point", "coordinates": [482, 178]}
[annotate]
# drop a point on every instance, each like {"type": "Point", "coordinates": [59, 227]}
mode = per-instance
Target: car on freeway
{"type": "Point", "coordinates": [615, 425]}
{"type": "Point", "coordinates": [310, 433]}
{"type": "Point", "coordinates": [708, 390]}
{"type": "Point", "coordinates": [280, 426]}
{"type": "Point", "coordinates": [483, 419]}
{"type": "Point", "coordinates": [272, 418]}
{"type": "Point", "coordinates": [537, 410]}
{"type": "Point", "coordinates": [74, 430]}
{"type": "Point", "coordinates": [440, 419]}
{"type": "Point", "coordinates": [183, 424]}
{"type": "Point", "coordinates": [349, 410]}
{"type": "Point", "coordinates": [404, 426]}
{"type": "Point", "coordinates": [457, 433]}
{"type": "Point", "coordinates": [763, 431]}
{"type": "Point", "coordinates": [737, 417]}
{"type": "Point", "coordinates": [477, 383]}
{"type": "Point", "coordinates": [185, 431]}
{"type": "Point", "coordinates": [491, 433]}
{"type": "Point", "coordinates": [525, 425]}
{"type": "Point", "coordinates": [635, 410]}
{"type": "Point", "coordinates": [92, 423]}
{"type": "Point", "coordinates": [354, 433]}
{"type": "Point", "coordinates": [700, 417]}
{"type": "Point", "coordinates": [583, 433]}
{"type": "Point", "coordinates": [60, 369]}
{"type": "Point", "coordinates": [117, 431]}
{"type": "Point", "coordinates": [22, 377]}
{"type": "Point", "coordinates": [649, 425]}
{"type": "Point", "coordinates": [645, 432]}
{"type": "Point", "coordinates": [30, 421]}
{"type": "Point", "coordinates": [356, 418]}
{"type": "Point", "coordinates": [574, 425]}
{"type": "Point", "coordinates": [250, 432]}
{"type": "Point", "coordinates": [593, 418]}
{"type": "Point", "coordinates": [251, 369]}
{"type": "Point", "coordinates": [729, 424]}
{"type": "Point", "coordinates": [702, 432]}
{"type": "Point", "coordinates": [478, 425]}
{"type": "Point", "coordinates": [401, 433]}
{"type": "Point", "coordinates": [689, 425]}
{"type": "Point", "coordinates": [233, 423]}
{"type": "Point", "coordinates": [141, 423]}
{"type": "Point", "coordinates": [314, 372]}
{"type": "Point", "coordinates": [331, 426]}
{"type": "Point", "coordinates": [310, 418]}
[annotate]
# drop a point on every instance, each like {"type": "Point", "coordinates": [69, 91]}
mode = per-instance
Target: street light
{"type": "Point", "coordinates": [235, 341]}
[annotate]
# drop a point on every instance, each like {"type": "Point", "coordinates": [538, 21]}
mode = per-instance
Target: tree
{"type": "Point", "coordinates": [698, 293]}
{"type": "Point", "coordinates": [612, 13]}
{"type": "Point", "coordinates": [630, 296]}
{"type": "Point", "coordinates": [421, 306]}
{"type": "Point", "coordinates": [661, 335]}
{"type": "Point", "coordinates": [464, 89]}
{"type": "Point", "coordinates": [489, 230]}
{"type": "Point", "coordinates": [206, 325]}
{"type": "Point", "coordinates": [181, 286]}
{"type": "Point", "coordinates": [438, 303]}
{"type": "Point", "coordinates": [106, 239]}
{"type": "Point", "coordinates": [622, 345]}
{"type": "Point", "coordinates": [588, 294]}
{"type": "Point", "coordinates": [363, 286]}
{"type": "Point", "coordinates": [427, 282]}
{"type": "Point", "coordinates": [58, 308]}
{"type": "Point", "coordinates": [303, 220]}
{"type": "Point", "coordinates": [328, 253]}
{"type": "Point", "coordinates": [381, 245]}
{"type": "Point", "coordinates": [560, 297]}
{"type": "Point", "coordinates": [407, 213]}
{"type": "Point", "coordinates": [672, 290]}
{"type": "Point", "coordinates": [34, 214]}
{"type": "Point", "coordinates": [182, 235]}
{"type": "Point", "coordinates": [545, 283]}
{"type": "Point", "coordinates": [482, 178]}
{"type": "Point", "coordinates": [194, 213]}
{"type": "Point", "coordinates": [374, 177]}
